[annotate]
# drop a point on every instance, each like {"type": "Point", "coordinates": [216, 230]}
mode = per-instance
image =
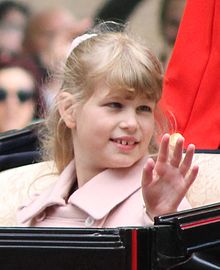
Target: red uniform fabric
{"type": "Point", "coordinates": [192, 79]}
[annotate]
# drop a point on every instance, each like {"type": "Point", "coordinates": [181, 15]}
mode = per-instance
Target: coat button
{"type": "Point", "coordinates": [89, 221]}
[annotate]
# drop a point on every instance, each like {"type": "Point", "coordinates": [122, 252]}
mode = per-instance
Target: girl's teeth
{"type": "Point", "coordinates": [124, 142]}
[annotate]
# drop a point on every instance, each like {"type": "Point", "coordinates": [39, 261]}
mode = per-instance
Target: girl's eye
{"type": "Point", "coordinates": [144, 108]}
{"type": "Point", "coordinates": [115, 105]}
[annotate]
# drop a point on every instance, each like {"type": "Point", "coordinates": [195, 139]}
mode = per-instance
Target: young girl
{"type": "Point", "coordinates": [104, 133]}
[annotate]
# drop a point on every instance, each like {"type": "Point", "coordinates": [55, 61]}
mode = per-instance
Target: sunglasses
{"type": "Point", "coordinates": [22, 95]}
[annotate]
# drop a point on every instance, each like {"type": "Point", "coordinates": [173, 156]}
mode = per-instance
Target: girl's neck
{"type": "Point", "coordinates": [84, 174]}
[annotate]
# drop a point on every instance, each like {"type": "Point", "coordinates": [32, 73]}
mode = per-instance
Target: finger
{"type": "Point", "coordinates": [187, 161]}
{"type": "Point", "coordinates": [147, 175]}
{"type": "Point", "coordinates": [177, 153]}
{"type": "Point", "coordinates": [164, 148]}
{"type": "Point", "coordinates": [192, 176]}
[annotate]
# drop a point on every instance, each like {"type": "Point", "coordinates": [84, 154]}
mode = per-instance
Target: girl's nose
{"type": "Point", "coordinates": [129, 122]}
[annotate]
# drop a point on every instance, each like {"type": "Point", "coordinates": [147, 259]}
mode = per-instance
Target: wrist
{"type": "Point", "coordinates": [159, 211]}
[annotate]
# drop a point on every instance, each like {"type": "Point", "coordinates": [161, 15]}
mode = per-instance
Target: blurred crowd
{"type": "Point", "coordinates": [34, 45]}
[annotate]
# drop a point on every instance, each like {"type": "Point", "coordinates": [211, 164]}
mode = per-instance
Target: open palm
{"type": "Point", "coordinates": [165, 183]}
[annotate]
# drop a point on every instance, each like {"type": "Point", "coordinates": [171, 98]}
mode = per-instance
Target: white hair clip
{"type": "Point", "coordinates": [79, 40]}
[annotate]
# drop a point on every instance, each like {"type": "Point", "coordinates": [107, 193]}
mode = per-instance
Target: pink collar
{"type": "Point", "coordinates": [97, 197]}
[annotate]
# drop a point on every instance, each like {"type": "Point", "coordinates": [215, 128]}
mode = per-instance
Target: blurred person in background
{"type": "Point", "coordinates": [116, 10]}
{"type": "Point", "coordinates": [20, 99]}
{"type": "Point", "coordinates": [13, 21]}
{"type": "Point", "coordinates": [47, 40]}
{"type": "Point", "coordinates": [170, 15]}
{"type": "Point", "coordinates": [171, 12]}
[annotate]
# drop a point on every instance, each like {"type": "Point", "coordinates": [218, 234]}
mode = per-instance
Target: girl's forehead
{"type": "Point", "coordinates": [104, 91]}
{"type": "Point", "coordinates": [122, 93]}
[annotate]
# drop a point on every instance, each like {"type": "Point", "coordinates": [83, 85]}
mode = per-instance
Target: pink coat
{"type": "Point", "coordinates": [112, 198]}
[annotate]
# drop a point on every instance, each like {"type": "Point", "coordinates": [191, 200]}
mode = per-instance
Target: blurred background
{"type": "Point", "coordinates": [144, 18]}
{"type": "Point", "coordinates": [35, 37]}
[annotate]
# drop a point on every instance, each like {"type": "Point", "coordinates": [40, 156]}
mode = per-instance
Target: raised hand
{"type": "Point", "coordinates": [165, 183]}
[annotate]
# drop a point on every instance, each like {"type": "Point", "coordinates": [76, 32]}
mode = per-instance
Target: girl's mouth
{"type": "Point", "coordinates": [124, 142]}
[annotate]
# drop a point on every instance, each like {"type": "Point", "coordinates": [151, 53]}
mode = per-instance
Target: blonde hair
{"type": "Point", "coordinates": [116, 58]}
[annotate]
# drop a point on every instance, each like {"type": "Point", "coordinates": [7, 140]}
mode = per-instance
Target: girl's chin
{"type": "Point", "coordinates": [122, 164]}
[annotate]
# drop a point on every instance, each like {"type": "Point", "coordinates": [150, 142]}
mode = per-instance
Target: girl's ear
{"type": "Point", "coordinates": [65, 107]}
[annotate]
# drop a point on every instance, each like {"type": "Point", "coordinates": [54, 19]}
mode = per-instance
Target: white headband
{"type": "Point", "coordinates": [79, 40]}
